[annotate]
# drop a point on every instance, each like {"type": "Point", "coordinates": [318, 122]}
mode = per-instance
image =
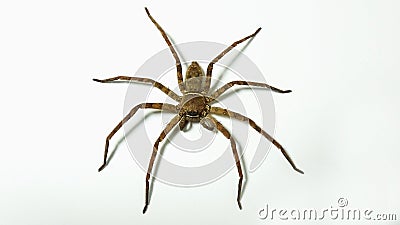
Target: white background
{"type": "Point", "coordinates": [340, 124]}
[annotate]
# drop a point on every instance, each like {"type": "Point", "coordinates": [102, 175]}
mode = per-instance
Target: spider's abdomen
{"type": "Point", "coordinates": [194, 79]}
{"type": "Point", "coordinates": [193, 107]}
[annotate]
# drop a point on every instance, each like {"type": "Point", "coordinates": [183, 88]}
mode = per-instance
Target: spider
{"type": "Point", "coordinates": [194, 106]}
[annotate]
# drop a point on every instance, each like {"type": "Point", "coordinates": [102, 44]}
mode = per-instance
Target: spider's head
{"type": "Point", "coordinates": [193, 107]}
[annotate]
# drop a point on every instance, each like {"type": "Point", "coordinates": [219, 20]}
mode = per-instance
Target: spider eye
{"type": "Point", "coordinates": [192, 113]}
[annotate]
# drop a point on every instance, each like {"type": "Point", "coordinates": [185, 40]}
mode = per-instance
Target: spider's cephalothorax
{"type": "Point", "coordinates": [194, 106]}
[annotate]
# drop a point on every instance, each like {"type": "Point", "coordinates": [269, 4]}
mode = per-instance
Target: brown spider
{"type": "Point", "coordinates": [194, 106]}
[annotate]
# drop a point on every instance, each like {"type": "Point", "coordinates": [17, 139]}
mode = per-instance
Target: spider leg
{"type": "Point", "coordinates": [226, 133]}
{"type": "Point", "coordinates": [171, 48]}
{"type": "Point", "coordinates": [182, 124]}
{"type": "Point", "coordinates": [156, 84]}
{"type": "Point", "coordinates": [235, 115]}
{"type": "Point", "coordinates": [163, 134]}
{"type": "Point", "coordinates": [224, 88]}
{"type": "Point", "coordinates": [162, 106]}
{"type": "Point", "coordinates": [216, 59]}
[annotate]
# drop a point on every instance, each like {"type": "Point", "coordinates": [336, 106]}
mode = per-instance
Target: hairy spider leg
{"type": "Point", "coordinates": [216, 59]}
{"type": "Point", "coordinates": [174, 53]}
{"type": "Point", "coordinates": [161, 106]}
{"type": "Point", "coordinates": [156, 84]}
{"type": "Point", "coordinates": [224, 88]}
{"type": "Point", "coordinates": [163, 134]}
{"type": "Point", "coordinates": [235, 115]}
{"type": "Point", "coordinates": [226, 133]}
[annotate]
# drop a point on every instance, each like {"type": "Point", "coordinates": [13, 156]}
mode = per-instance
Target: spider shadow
{"type": "Point", "coordinates": [174, 132]}
{"type": "Point", "coordinates": [157, 162]}
{"type": "Point", "coordinates": [181, 57]}
{"type": "Point", "coordinates": [239, 149]}
{"type": "Point", "coordinates": [230, 63]}
{"type": "Point", "coordinates": [162, 149]}
{"type": "Point", "coordinates": [119, 142]}
{"type": "Point", "coordinates": [122, 82]}
{"type": "Point", "coordinates": [239, 89]}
